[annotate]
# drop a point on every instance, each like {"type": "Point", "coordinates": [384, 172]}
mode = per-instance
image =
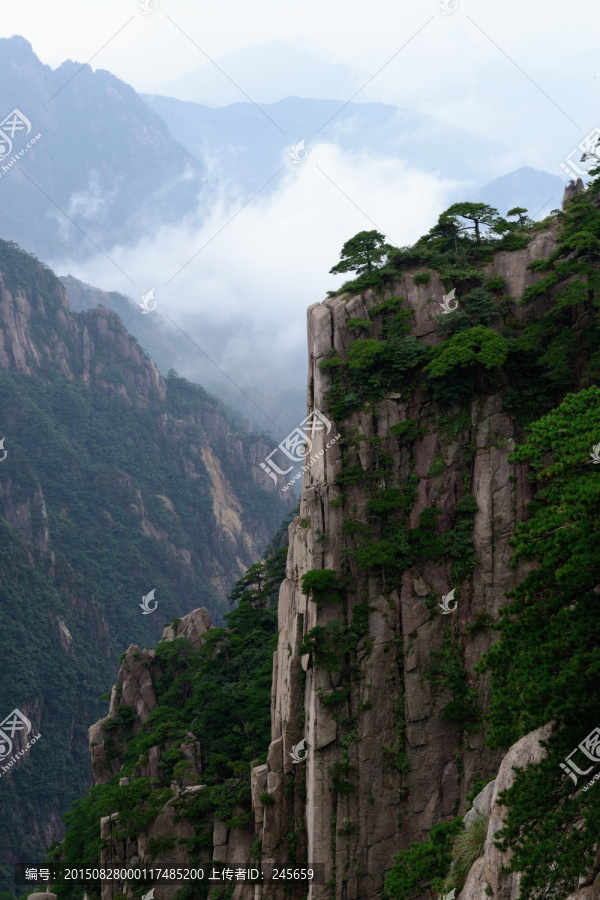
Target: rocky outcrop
{"type": "Point", "coordinates": [382, 766]}
{"type": "Point", "coordinates": [166, 838]}
{"type": "Point", "coordinates": [487, 876]}
{"type": "Point", "coordinates": [135, 691]}
{"type": "Point", "coordinates": [192, 627]}
{"type": "Point", "coordinates": [573, 188]}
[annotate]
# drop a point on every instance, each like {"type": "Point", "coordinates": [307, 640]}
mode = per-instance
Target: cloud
{"type": "Point", "coordinates": [244, 281]}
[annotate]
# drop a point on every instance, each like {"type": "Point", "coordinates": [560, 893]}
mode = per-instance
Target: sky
{"type": "Point", "coordinates": [140, 48]}
{"type": "Point", "coordinates": [525, 74]}
{"type": "Point", "coordinates": [407, 52]}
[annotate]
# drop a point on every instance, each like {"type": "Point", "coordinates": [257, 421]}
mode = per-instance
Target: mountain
{"type": "Point", "coordinates": [438, 632]}
{"type": "Point", "coordinates": [264, 72]}
{"type": "Point", "coordinates": [277, 411]}
{"type": "Point", "coordinates": [116, 484]}
{"type": "Point", "coordinates": [539, 192]}
{"type": "Point", "coordinates": [243, 141]}
{"type": "Point", "coordinates": [249, 150]}
{"type": "Point", "coordinates": [104, 169]}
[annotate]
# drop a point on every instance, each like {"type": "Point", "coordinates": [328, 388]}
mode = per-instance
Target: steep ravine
{"type": "Point", "coordinates": [114, 482]}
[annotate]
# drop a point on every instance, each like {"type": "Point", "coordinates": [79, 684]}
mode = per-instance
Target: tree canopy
{"type": "Point", "coordinates": [362, 253]}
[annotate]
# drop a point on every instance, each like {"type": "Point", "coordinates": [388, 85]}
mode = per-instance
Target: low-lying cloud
{"type": "Point", "coordinates": [244, 280]}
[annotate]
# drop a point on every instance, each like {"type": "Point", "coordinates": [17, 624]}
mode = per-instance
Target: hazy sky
{"type": "Point", "coordinates": [151, 49]}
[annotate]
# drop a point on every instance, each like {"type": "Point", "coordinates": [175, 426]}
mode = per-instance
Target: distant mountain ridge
{"type": "Point", "coordinates": [105, 169]}
{"type": "Point", "coordinates": [250, 149]}
{"type": "Point", "coordinates": [265, 72]}
{"type": "Point", "coordinates": [249, 139]}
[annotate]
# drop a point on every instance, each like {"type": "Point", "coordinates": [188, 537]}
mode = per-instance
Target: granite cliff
{"type": "Point", "coordinates": [396, 580]}
{"type": "Point", "coordinates": [382, 766]}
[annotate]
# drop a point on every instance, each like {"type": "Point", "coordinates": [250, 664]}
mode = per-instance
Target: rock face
{"type": "Point", "coordinates": [192, 627]}
{"type": "Point", "coordinates": [486, 876]}
{"type": "Point", "coordinates": [71, 344]}
{"type": "Point", "coordinates": [165, 839]}
{"type": "Point", "coordinates": [382, 766]}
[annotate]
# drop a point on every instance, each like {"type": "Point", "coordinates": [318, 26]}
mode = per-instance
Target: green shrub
{"type": "Point", "coordinates": [406, 431]}
{"type": "Point", "coordinates": [340, 773]}
{"type": "Point", "coordinates": [351, 475]}
{"type": "Point", "coordinates": [160, 845]}
{"type": "Point", "coordinates": [362, 354]}
{"type": "Point", "coordinates": [437, 467]}
{"type": "Point", "coordinates": [363, 324]}
{"type": "Point", "coordinates": [387, 499]}
{"type": "Point", "coordinates": [323, 586]}
{"type": "Point", "coordinates": [477, 346]}
{"type": "Point", "coordinates": [496, 283]}
{"type": "Point", "coordinates": [422, 863]}
{"type": "Point", "coordinates": [332, 361]}
{"type": "Point", "coordinates": [422, 278]}
{"type": "Point", "coordinates": [446, 670]}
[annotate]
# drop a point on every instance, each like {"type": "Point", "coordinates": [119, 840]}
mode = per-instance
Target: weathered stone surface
{"type": "Point", "coordinates": [136, 681]}
{"type": "Point", "coordinates": [482, 803]}
{"type": "Point", "coordinates": [418, 772]}
{"type": "Point", "coordinates": [488, 869]}
{"type": "Point", "coordinates": [191, 627]}
{"type": "Point", "coordinates": [258, 787]}
{"type": "Point", "coordinates": [420, 587]}
{"type": "Point", "coordinates": [573, 188]}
